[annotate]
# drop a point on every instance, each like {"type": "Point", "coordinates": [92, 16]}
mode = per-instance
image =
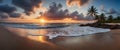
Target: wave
{"type": "Point", "coordinates": [57, 30]}
{"type": "Point", "coordinates": [71, 31]}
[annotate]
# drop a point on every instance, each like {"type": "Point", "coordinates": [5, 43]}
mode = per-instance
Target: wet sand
{"type": "Point", "coordinates": [100, 41]}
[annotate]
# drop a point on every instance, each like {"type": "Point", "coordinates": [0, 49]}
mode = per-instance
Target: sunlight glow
{"type": "Point", "coordinates": [42, 20]}
{"type": "Point", "coordinates": [67, 19]}
{"type": "Point", "coordinates": [42, 38]}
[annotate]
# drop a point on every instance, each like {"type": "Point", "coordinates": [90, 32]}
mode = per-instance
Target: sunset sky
{"type": "Point", "coordinates": [109, 7]}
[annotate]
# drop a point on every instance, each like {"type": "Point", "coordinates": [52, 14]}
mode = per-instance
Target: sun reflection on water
{"type": "Point", "coordinates": [41, 39]}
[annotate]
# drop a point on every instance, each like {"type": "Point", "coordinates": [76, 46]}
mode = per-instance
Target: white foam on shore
{"type": "Point", "coordinates": [70, 31]}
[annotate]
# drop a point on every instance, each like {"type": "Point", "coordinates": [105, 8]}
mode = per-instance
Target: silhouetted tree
{"type": "Point", "coordinates": [110, 18]}
{"type": "Point", "coordinates": [92, 11]}
{"type": "Point", "coordinates": [102, 18]}
{"type": "Point", "coordinates": [118, 18]}
{"type": "Point", "coordinates": [97, 17]}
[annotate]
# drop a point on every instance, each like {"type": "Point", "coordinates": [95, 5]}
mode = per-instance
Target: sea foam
{"type": "Point", "coordinates": [70, 31]}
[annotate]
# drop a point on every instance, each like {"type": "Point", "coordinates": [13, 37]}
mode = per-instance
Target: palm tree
{"type": "Point", "coordinates": [92, 11]}
{"type": "Point", "coordinates": [97, 17]}
{"type": "Point", "coordinates": [110, 18]}
{"type": "Point", "coordinates": [118, 18]}
{"type": "Point", "coordinates": [102, 18]}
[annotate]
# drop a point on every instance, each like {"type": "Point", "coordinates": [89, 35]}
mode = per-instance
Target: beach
{"type": "Point", "coordinates": [100, 41]}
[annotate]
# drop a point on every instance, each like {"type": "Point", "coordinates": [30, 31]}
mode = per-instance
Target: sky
{"type": "Point", "coordinates": [59, 7]}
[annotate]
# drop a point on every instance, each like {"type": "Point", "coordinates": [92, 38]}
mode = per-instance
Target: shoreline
{"type": "Point", "coordinates": [103, 41]}
{"type": "Point", "coordinates": [106, 26]}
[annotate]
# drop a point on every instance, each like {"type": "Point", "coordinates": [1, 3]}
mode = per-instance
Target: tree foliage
{"type": "Point", "coordinates": [92, 11]}
{"type": "Point", "coordinates": [102, 18]}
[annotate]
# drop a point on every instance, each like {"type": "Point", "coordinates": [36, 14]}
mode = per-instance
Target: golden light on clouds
{"type": "Point", "coordinates": [71, 3]}
{"type": "Point", "coordinates": [65, 20]}
{"type": "Point", "coordinates": [78, 3]}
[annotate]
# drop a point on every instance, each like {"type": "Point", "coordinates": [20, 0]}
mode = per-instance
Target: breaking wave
{"type": "Point", "coordinates": [69, 31]}
{"type": "Point", "coordinates": [56, 30]}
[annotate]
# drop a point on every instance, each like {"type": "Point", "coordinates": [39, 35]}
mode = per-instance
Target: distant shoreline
{"type": "Point", "coordinates": [106, 25]}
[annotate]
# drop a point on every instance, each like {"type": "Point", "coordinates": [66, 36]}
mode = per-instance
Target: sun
{"type": "Point", "coordinates": [42, 20]}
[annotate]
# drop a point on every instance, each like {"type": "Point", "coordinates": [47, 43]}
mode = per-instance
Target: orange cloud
{"type": "Point", "coordinates": [77, 2]}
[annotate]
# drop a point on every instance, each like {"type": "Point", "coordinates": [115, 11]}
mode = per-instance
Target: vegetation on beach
{"type": "Point", "coordinates": [102, 18]}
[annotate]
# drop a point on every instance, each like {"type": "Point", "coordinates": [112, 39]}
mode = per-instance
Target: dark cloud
{"type": "Point", "coordinates": [27, 5]}
{"type": "Point", "coordinates": [15, 15]}
{"type": "Point", "coordinates": [1, 1]}
{"type": "Point", "coordinates": [77, 2]}
{"type": "Point", "coordinates": [8, 11]}
{"type": "Point", "coordinates": [90, 17]}
{"type": "Point", "coordinates": [3, 15]}
{"type": "Point", "coordinates": [55, 11]}
{"type": "Point", "coordinates": [76, 15]}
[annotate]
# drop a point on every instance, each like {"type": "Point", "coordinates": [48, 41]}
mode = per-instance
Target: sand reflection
{"type": "Point", "coordinates": [41, 39]}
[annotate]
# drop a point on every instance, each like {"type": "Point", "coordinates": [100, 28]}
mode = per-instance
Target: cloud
{"type": "Point", "coordinates": [28, 5]}
{"type": "Point", "coordinates": [77, 2]}
{"type": "Point", "coordinates": [3, 15]}
{"type": "Point", "coordinates": [1, 1]}
{"type": "Point", "coordinates": [102, 8]}
{"type": "Point", "coordinates": [55, 11]}
{"type": "Point", "coordinates": [90, 17]}
{"type": "Point", "coordinates": [8, 11]}
{"type": "Point", "coordinates": [112, 11]}
{"type": "Point", "coordinates": [76, 15]}
{"type": "Point", "coordinates": [109, 11]}
{"type": "Point", "coordinates": [15, 15]}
